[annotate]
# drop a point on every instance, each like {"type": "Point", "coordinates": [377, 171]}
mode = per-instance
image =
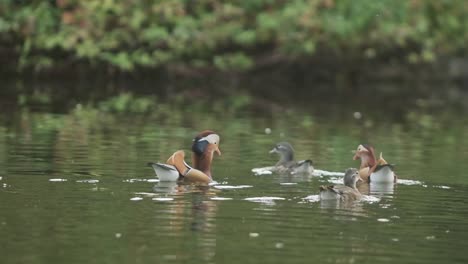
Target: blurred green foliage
{"type": "Point", "coordinates": [230, 35]}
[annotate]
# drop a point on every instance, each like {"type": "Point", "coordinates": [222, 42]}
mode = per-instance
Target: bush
{"type": "Point", "coordinates": [226, 34]}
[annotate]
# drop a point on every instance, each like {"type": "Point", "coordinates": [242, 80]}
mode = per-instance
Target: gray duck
{"type": "Point", "coordinates": [287, 164]}
{"type": "Point", "coordinates": [345, 193]}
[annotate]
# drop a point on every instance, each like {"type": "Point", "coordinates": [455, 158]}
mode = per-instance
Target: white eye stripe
{"type": "Point", "coordinates": [212, 138]}
{"type": "Point", "coordinates": [361, 148]}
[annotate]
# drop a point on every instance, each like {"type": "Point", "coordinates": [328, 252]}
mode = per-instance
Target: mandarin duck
{"type": "Point", "coordinates": [204, 146]}
{"type": "Point", "coordinates": [372, 170]}
{"type": "Point", "coordinates": [345, 193]}
{"type": "Point", "coordinates": [287, 164]}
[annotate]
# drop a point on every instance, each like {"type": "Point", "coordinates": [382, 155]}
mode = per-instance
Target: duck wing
{"type": "Point", "coordinates": [303, 162]}
{"type": "Point", "coordinates": [379, 167]}
{"type": "Point", "coordinates": [332, 188]}
{"type": "Point", "coordinates": [162, 166]}
{"type": "Point", "coordinates": [165, 172]}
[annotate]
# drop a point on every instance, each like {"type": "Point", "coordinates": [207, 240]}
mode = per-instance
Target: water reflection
{"type": "Point", "coordinates": [166, 187]}
{"type": "Point", "coordinates": [381, 189]}
{"type": "Point", "coordinates": [186, 223]}
{"type": "Point", "coordinates": [377, 189]}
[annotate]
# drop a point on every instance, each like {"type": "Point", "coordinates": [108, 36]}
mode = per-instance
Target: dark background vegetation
{"type": "Point", "coordinates": [396, 54]}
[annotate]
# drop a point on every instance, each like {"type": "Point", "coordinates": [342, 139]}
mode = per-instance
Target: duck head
{"type": "Point", "coordinates": [285, 151]}
{"type": "Point", "coordinates": [351, 177]}
{"type": "Point", "coordinates": [366, 154]}
{"type": "Point", "coordinates": [205, 144]}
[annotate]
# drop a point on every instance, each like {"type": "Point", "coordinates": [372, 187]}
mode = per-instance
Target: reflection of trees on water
{"type": "Point", "coordinates": [197, 214]}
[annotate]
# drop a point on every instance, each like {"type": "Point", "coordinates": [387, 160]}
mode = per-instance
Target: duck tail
{"type": "Point", "coordinates": [161, 165]}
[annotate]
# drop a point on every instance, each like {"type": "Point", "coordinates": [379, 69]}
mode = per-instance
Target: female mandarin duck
{"type": "Point", "coordinates": [345, 193]}
{"type": "Point", "coordinates": [372, 170]}
{"type": "Point", "coordinates": [204, 146]}
{"type": "Point", "coordinates": [286, 164]}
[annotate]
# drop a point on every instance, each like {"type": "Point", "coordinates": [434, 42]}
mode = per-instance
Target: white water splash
{"type": "Point", "coordinates": [146, 194]}
{"type": "Point", "coordinates": [318, 172]}
{"type": "Point", "coordinates": [213, 183]}
{"type": "Point", "coordinates": [220, 198]}
{"type": "Point", "coordinates": [312, 198]}
{"type": "Point", "coordinates": [163, 199]}
{"type": "Point", "coordinates": [232, 187]}
{"type": "Point", "coordinates": [383, 220]}
{"type": "Point", "coordinates": [265, 199]}
{"type": "Point", "coordinates": [442, 187]}
{"type": "Point", "coordinates": [254, 234]}
{"type": "Point", "coordinates": [263, 171]}
{"type": "Point", "coordinates": [365, 198]}
{"type": "Point", "coordinates": [136, 199]}
{"type": "Point", "coordinates": [370, 199]}
{"type": "Point", "coordinates": [141, 180]}
{"type": "Point", "coordinates": [336, 180]}
{"type": "Point", "coordinates": [288, 183]}
{"type": "Point", "coordinates": [152, 180]}
{"type": "Point", "coordinates": [409, 182]}
{"type": "Point", "coordinates": [57, 180]}
{"type": "Point", "coordinates": [87, 181]}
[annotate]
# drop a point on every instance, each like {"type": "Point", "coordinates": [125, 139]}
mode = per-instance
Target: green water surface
{"type": "Point", "coordinates": [74, 188]}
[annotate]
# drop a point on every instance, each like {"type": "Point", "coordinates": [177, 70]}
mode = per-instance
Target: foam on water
{"type": "Point", "coordinates": [146, 194]}
{"type": "Point", "coordinates": [263, 171]}
{"type": "Point", "coordinates": [232, 187]}
{"type": "Point", "coordinates": [141, 180]}
{"type": "Point", "coordinates": [213, 183]}
{"type": "Point", "coordinates": [318, 172]}
{"type": "Point", "coordinates": [409, 182]}
{"type": "Point", "coordinates": [383, 220]}
{"type": "Point", "coordinates": [336, 180]}
{"type": "Point", "coordinates": [163, 199]}
{"type": "Point", "coordinates": [288, 183]}
{"type": "Point", "coordinates": [442, 187]}
{"type": "Point", "coordinates": [57, 180]}
{"type": "Point", "coordinates": [370, 199]}
{"type": "Point", "coordinates": [265, 199]}
{"type": "Point", "coordinates": [221, 198]}
{"type": "Point", "coordinates": [136, 199]}
{"type": "Point", "coordinates": [312, 198]}
{"type": "Point", "coordinates": [365, 198]}
{"type": "Point", "coordinates": [88, 181]}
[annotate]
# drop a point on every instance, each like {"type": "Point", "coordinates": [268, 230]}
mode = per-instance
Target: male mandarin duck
{"type": "Point", "coordinates": [287, 164]}
{"type": "Point", "coordinates": [204, 146]}
{"type": "Point", "coordinates": [345, 193]}
{"type": "Point", "coordinates": [372, 170]}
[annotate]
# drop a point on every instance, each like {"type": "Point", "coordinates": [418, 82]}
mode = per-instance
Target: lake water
{"type": "Point", "coordinates": [74, 188]}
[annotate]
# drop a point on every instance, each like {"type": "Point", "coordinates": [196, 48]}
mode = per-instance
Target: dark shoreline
{"type": "Point", "coordinates": [395, 86]}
